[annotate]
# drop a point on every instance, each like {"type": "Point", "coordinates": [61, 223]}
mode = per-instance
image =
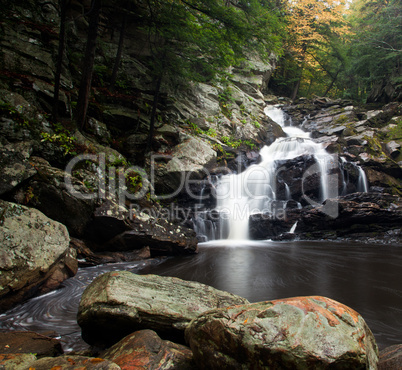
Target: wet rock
{"type": "Point", "coordinates": [115, 228]}
{"type": "Point", "coordinates": [391, 358]}
{"type": "Point", "coordinates": [356, 140]}
{"type": "Point", "coordinates": [74, 362]}
{"type": "Point", "coordinates": [14, 165]}
{"type": "Point", "coordinates": [193, 156]}
{"type": "Point", "coordinates": [86, 257]}
{"type": "Point", "coordinates": [29, 342]}
{"type": "Point", "coordinates": [293, 173]}
{"type": "Point", "coordinates": [146, 350]}
{"type": "Point", "coordinates": [16, 361]}
{"type": "Point", "coordinates": [378, 178]}
{"type": "Point", "coordinates": [118, 303]}
{"type": "Point", "coordinates": [357, 215]}
{"type": "Point", "coordinates": [50, 192]}
{"type": "Point", "coordinates": [33, 246]}
{"type": "Point", "coordinates": [294, 333]}
{"type": "Point", "coordinates": [108, 220]}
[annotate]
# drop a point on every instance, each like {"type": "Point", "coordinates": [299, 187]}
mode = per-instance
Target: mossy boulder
{"type": "Point", "coordinates": [293, 333]}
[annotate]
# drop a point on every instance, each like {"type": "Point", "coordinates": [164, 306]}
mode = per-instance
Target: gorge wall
{"type": "Point", "coordinates": [97, 181]}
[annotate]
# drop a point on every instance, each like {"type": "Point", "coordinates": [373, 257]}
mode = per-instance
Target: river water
{"type": "Point", "coordinates": [367, 278]}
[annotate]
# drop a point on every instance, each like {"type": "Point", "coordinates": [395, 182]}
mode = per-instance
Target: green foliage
{"type": "Point", "coordinates": [196, 39]}
{"type": "Point", "coordinates": [133, 181]}
{"type": "Point", "coordinates": [211, 132]}
{"type": "Point", "coordinates": [249, 144]}
{"type": "Point", "coordinates": [63, 140]}
{"type": "Point", "coordinates": [194, 127]}
{"type": "Point", "coordinates": [117, 162]}
{"type": "Point", "coordinates": [225, 101]}
{"type": "Point", "coordinates": [231, 142]}
{"type": "Point", "coordinates": [370, 57]}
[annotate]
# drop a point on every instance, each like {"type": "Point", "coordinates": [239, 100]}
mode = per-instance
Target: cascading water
{"type": "Point", "coordinates": [362, 184]}
{"type": "Point", "coordinates": [257, 189]}
{"type": "Point", "coordinates": [254, 190]}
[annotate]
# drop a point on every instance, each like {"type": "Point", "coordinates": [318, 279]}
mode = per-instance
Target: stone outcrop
{"type": "Point", "coordinates": [366, 137]}
{"type": "Point", "coordinates": [146, 350]}
{"type": "Point", "coordinates": [116, 228]}
{"type": "Point", "coordinates": [293, 333]}
{"type": "Point", "coordinates": [193, 155]}
{"type": "Point", "coordinates": [371, 216]}
{"type": "Point", "coordinates": [118, 303]}
{"type": "Point", "coordinates": [49, 192]}
{"type": "Point", "coordinates": [14, 165]}
{"type": "Point", "coordinates": [33, 248]}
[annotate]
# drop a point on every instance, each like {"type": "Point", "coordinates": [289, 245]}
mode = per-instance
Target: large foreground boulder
{"type": "Point", "coordinates": [74, 362]}
{"type": "Point", "coordinates": [294, 333]}
{"type": "Point", "coordinates": [144, 349]}
{"type": "Point", "coordinates": [34, 250]}
{"type": "Point", "coordinates": [391, 358]}
{"type": "Point", "coordinates": [118, 303]}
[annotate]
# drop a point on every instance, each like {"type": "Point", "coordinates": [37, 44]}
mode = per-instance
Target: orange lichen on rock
{"type": "Point", "coordinates": [326, 307]}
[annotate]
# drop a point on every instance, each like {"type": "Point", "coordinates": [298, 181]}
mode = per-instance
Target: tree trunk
{"type": "Point", "coordinates": [153, 114]}
{"type": "Point", "coordinates": [60, 55]}
{"type": "Point", "coordinates": [119, 53]}
{"type": "Point", "coordinates": [87, 70]}
{"type": "Point", "coordinates": [296, 89]}
{"type": "Point", "coordinates": [334, 78]}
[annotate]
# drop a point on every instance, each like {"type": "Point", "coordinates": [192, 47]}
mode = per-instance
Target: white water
{"type": "Point", "coordinates": [362, 185]}
{"type": "Point", "coordinates": [254, 190]}
{"type": "Point", "coordinates": [293, 228]}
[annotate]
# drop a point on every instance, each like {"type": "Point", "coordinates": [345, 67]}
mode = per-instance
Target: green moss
{"type": "Point", "coordinates": [341, 119]}
{"type": "Point", "coordinates": [395, 133]}
{"type": "Point", "coordinates": [375, 147]}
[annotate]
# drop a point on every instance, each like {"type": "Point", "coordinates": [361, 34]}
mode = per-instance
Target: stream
{"type": "Point", "coordinates": [365, 277]}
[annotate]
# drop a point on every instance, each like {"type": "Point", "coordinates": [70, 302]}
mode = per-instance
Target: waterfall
{"type": "Point", "coordinates": [362, 184]}
{"type": "Point", "coordinates": [293, 228]}
{"type": "Point", "coordinates": [254, 190]}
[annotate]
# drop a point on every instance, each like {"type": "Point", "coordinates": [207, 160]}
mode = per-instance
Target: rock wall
{"type": "Point", "coordinates": [98, 181]}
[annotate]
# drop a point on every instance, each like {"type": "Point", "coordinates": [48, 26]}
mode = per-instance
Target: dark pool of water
{"type": "Point", "coordinates": [368, 278]}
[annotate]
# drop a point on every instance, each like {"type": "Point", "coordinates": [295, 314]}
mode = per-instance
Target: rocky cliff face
{"type": "Point", "coordinates": [362, 141]}
{"type": "Point", "coordinates": [98, 181]}
{"type": "Point", "coordinates": [368, 137]}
